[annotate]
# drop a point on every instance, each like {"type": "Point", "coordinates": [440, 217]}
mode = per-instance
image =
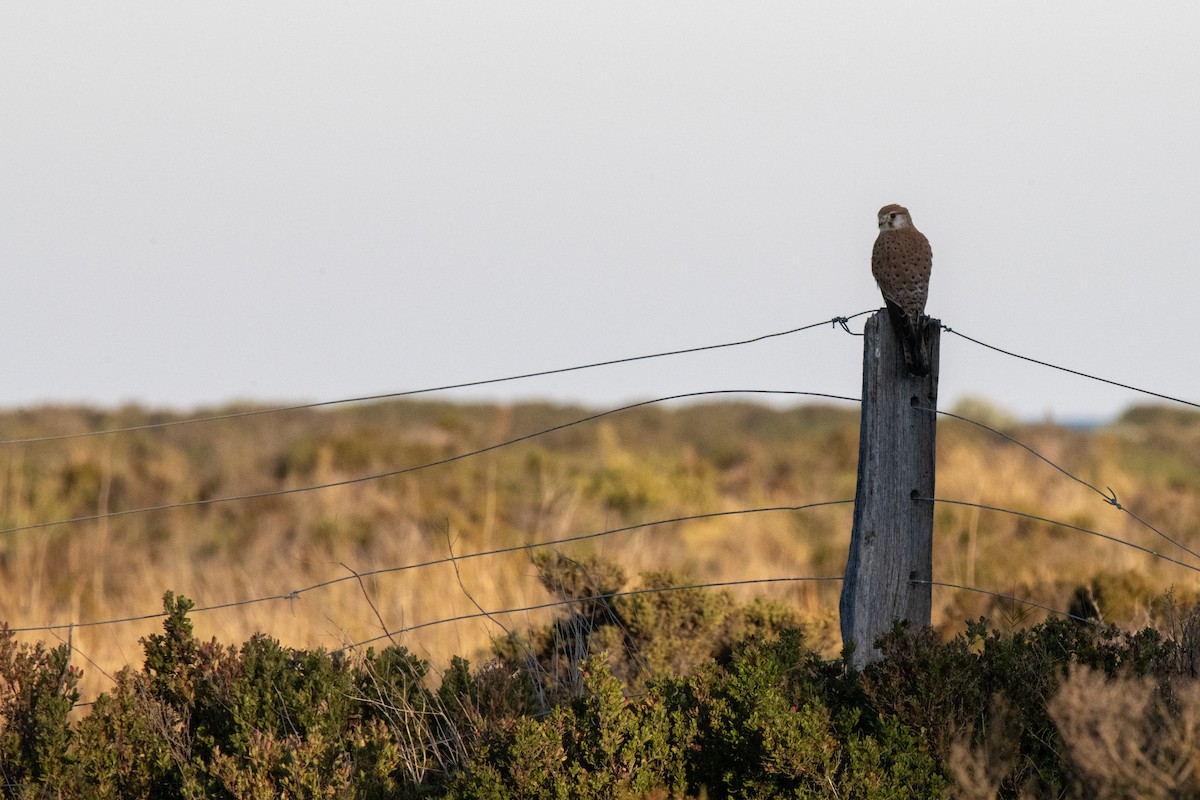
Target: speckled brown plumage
{"type": "Point", "coordinates": [901, 263]}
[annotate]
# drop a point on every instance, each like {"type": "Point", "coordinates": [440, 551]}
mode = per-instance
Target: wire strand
{"type": "Point", "coordinates": [429, 390]}
{"type": "Point", "coordinates": [1109, 497]}
{"type": "Point", "coordinates": [296, 593]}
{"type": "Point", "coordinates": [1159, 395]}
{"type": "Point", "coordinates": [406, 470]}
{"type": "Point", "coordinates": [1062, 524]}
{"type": "Point", "coordinates": [1005, 597]}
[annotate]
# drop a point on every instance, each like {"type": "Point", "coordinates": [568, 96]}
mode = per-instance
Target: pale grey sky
{"type": "Point", "coordinates": [300, 201]}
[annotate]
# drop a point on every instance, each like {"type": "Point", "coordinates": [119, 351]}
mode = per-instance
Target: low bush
{"type": "Point", "coordinates": [1061, 709]}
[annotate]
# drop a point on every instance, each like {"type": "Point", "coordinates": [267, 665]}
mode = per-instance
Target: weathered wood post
{"type": "Point", "coordinates": [891, 543]}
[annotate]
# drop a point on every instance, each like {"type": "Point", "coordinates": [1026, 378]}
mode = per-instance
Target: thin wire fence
{"type": "Point", "coordinates": [210, 501]}
{"type": "Point", "coordinates": [1010, 597]}
{"type": "Point", "coordinates": [390, 635]}
{"type": "Point", "coordinates": [836, 321]}
{"type": "Point", "coordinates": [833, 321]}
{"type": "Point", "coordinates": [1061, 524]}
{"type": "Point", "coordinates": [1109, 496]}
{"type": "Point", "coordinates": [295, 594]}
{"type": "Point", "coordinates": [1079, 373]}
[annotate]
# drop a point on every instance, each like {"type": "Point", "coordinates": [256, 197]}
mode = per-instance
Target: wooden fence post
{"type": "Point", "coordinates": [891, 543]}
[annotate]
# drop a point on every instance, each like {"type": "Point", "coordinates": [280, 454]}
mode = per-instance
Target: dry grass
{"type": "Point", "coordinates": [1125, 739]}
{"type": "Point", "coordinates": [979, 771]}
{"type": "Point", "coordinates": [629, 468]}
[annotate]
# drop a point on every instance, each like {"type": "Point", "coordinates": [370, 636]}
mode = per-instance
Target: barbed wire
{"type": "Point", "coordinates": [842, 321]}
{"type": "Point", "coordinates": [573, 600]}
{"type": "Point", "coordinates": [407, 470]}
{"type": "Point", "coordinates": [1003, 596]}
{"type": "Point", "coordinates": [485, 614]}
{"type": "Point", "coordinates": [296, 593]}
{"type": "Point", "coordinates": [358, 575]}
{"type": "Point", "coordinates": [1109, 497]}
{"type": "Point", "coordinates": [1062, 524]}
{"type": "Point", "coordinates": [1159, 395]}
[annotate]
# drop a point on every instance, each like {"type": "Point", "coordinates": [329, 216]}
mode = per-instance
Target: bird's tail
{"type": "Point", "coordinates": [913, 340]}
{"type": "Point", "coordinates": [916, 348]}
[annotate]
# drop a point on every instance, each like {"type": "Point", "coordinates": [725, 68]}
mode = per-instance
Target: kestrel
{"type": "Point", "coordinates": [901, 262]}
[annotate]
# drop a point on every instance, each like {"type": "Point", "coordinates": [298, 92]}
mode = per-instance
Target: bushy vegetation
{"type": "Point", "coordinates": [1061, 709]}
{"type": "Point", "coordinates": [682, 693]}
{"type": "Point", "coordinates": [646, 464]}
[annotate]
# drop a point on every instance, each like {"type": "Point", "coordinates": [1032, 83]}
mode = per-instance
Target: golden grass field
{"type": "Point", "coordinates": [648, 464]}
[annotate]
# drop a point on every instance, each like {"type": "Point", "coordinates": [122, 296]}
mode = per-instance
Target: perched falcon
{"type": "Point", "coordinates": [901, 262]}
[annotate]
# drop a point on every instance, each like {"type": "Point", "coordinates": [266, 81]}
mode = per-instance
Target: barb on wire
{"type": "Point", "coordinates": [1002, 596]}
{"type": "Point", "coordinates": [844, 322]}
{"type": "Point", "coordinates": [573, 600]}
{"type": "Point", "coordinates": [406, 470]}
{"type": "Point", "coordinates": [427, 390]}
{"type": "Point", "coordinates": [296, 593]}
{"type": "Point", "coordinates": [1062, 524]}
{"type": "Point", "coordinates": [1118, 384]}
{"type": "Point", "coordinates": [1109, 497]}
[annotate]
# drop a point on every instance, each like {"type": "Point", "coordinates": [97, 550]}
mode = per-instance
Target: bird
{"type": "Point", "coordinates": [901, 262]}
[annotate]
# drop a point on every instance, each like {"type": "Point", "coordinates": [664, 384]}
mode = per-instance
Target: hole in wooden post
{"type": "Point", "coordinates": [915, 401]}
{"type": "Point", "coordinates": [914, 494]}
{"type": "Point", "coordinates": [912, 576]}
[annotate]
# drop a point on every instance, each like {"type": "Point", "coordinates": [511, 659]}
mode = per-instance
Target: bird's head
{"type": "Point", "coordinates": [893, 218]}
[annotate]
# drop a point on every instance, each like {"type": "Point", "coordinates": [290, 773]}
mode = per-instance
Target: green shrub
{"type": "Point", "coordinates": [953, 690]}
{"type": "Point", "coordinates": [595, 747]}
{"type": "Point", "coordinates": [997, 714]}
{"type": "Point", "coordinates": [37, 692]}
{"type": "Point", "coordinates": [646, 634]}
{"type": "Point", "coordinates": [779, 721]}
